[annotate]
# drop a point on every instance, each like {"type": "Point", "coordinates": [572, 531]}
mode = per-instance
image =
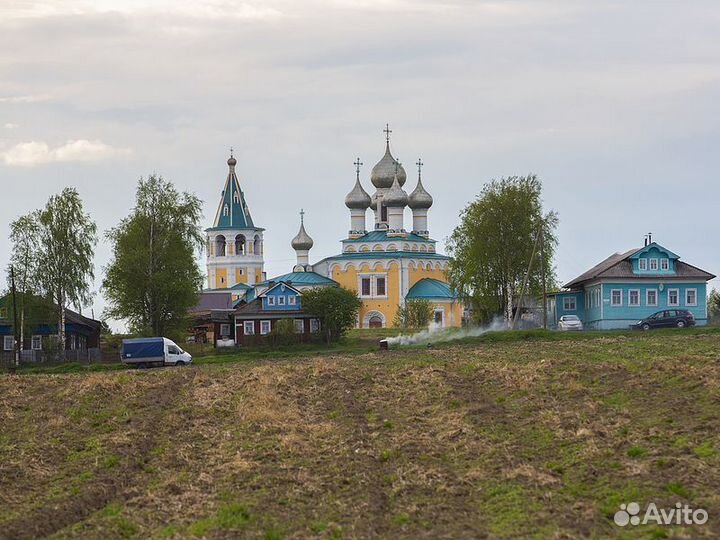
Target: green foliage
{"type": "Point", "coordinates": [492, 247]}
{"type": "Point", "coordinates": [336, 307]}
{"type": "Point", "coordinates": [713, 306]}
{"type": "Point", "coordinates": [415, 313]}
{"type": "Point", "coordinates": [153, 278]}
{"type": "Point", "coordinates": [284, 333]}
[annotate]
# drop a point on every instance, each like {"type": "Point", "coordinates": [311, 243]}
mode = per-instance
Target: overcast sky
{"type": "Point", "coordinates": [614, 104]}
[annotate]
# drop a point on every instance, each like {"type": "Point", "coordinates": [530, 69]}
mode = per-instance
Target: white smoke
{"type": "Point", "coordinates": [435, 334]}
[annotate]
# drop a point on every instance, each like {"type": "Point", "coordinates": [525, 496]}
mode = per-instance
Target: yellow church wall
{"type": "Point", "coordinates": [258, 275]}
{"type": "Point", "coordinates": [240, 276]}
{"type": "Point", "coordinates": [416, 274]}
{"type": "Point", "coordinates": [221, 281]}
{"type": "Point", "coordinates": [387, 306]}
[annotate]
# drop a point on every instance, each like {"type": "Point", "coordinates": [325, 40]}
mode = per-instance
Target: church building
{"type": "Point", "coordinates": [386, 264]}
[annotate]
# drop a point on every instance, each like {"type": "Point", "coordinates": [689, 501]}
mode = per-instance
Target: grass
{"type": "Point", "coordinates": [515, 435]}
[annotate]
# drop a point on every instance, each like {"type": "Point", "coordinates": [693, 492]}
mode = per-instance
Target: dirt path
{"type": "Point", "coordinates": [109, 485]}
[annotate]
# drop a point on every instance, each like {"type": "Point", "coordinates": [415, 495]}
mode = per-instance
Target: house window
{"type": "Point", "coordinates": [265, 327]}
{"type": "Point", "coordinates": [292, 300]}
{"type": "Point", "coordinates": [380, 286]}
{"type": "Point", "coordinates": [9, 343]}
{"type": "Point", "coordinates": [664, 264]}
{"type": "Point", "coordinates": [271, 300]}
{"type": "Point", "coordinates": [314, 325]}
{"type": "Point", "coordinates": [299, 326]}
{"type": "Point", "coordinates": [225, 330]}
{"type": "Point", "coordinates": [651, 298]}
{"type": "Point", "coordinates": [569, 303]}
{"type": "Point", "coordinates": [653, 264]}
{"type": "Point", "coordinates": [365, 286]}
{"type": "Point", "coordinates": [249, 328]}
{"type": "Point", "coordinates": [673, 297]}
{"type": "Point", "coordinates": [280, 300]}
{"type": "Point", "coordinates": [616, 297]}
{"type": "Point", "coordinates": [691, 297]}
{"type": "Point", "coordinates": [634, 297]}
{"type": "Point", "coordinates": [3, 313]}
{"type": "Point", "coordinates": [642, 264]}
{"type": "Point", "coordinates": [36, 343]}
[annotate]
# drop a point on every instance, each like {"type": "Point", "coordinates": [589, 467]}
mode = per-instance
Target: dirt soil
{"type": "Point", "coordinates": [541, 439]}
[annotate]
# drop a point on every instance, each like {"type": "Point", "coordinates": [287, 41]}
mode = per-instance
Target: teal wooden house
{"type": "Point", "coordinates": [630, 286]}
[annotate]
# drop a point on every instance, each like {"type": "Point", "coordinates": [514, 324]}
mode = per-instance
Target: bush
{"type": "Point", "coordinates": [284, 333]}
{"type": "Point", "coordinates": [336, 307]}
{"type": "Point", "coordinates": [415, 313]}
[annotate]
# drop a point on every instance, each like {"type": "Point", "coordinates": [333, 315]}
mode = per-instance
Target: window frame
{"type": "Point", "coordinates": [251, 325]}
{"type": "Point", "coordinates": [384, 282]}
{"type": "Point", "coordinates": [694, 291]}
{"type": "Point", "coordinates": [664, 264]}
{"type": "Point", "coordinates": [677, 297]}
{"type": "Point", "coordinates": [33, 341]}
{"type": "Point", "coordinates": [226, 327]}
{"type": "Point", "coordinates": [647, 297]}
{"type": "Point", "coordinates": [314, 326]}
{"type": "Point", "coordinates": [270, 300]}
{"type": "Point", "coordinates": [281, 300]}
{"type": "Point", "coordinates": [653, 262]}
{"type": "Point", "coordinates": [262, 327]}
{"type": "Point", "coordinates": [630, 292]}
{"type": "Point", "coordinates": [11, 339]}
{"type": "Point", "coordinates": [298, 330]}
{"type": "Point", "coordinates": [292, 300]}
{"type": "Point", "coordinates": [566, 300]}
{"type": "Point", "coordinates": [619, 296]}
{"type": "Point", "coordinates": [363, 294]}
{"type": "Point", "coordinates": [642, 264]}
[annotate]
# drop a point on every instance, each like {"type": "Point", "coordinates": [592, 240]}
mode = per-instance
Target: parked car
{"type": "Point", "coordinates": [157, 351]}
{"type": "Point", "coordinates": [570, 322]}
{"type": "Point", "coordinates": [666, 318]}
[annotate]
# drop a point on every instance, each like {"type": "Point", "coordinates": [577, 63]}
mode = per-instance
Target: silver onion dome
{"type": "Point", "coordinates": [302, 240]}
{"type": "Point", "coordinates": [358, 198]}
{"type": "Point", "coordinates": [396, 196]}
{"type": "Point", "coordinates": [232, 161]}
{"type": "Point", "coordinates": [420, 198]}
{"type": "Point", "coordinates": [383, 172]}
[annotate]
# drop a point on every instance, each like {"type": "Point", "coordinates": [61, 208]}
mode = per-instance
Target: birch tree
{"type": "Point", "coordinates": [492, 247]}
{"type": "Point", "coordinates": [67, 237]}
{"type": "Point", "coordinates": [153, 278]}
{"type": "Point", "coordinates": [25, 257]}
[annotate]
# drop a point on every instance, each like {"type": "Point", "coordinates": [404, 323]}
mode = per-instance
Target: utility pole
{"type": "Point", "coordinates": [16, 349]}
{"type": "Point", "coordinates": [525, 282]}
{"type": "Point", "coordinates": [542, 271]}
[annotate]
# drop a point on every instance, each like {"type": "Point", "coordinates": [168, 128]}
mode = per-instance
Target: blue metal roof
{"type": "Point", "coordinates": [301, 278]}
{"type": "Point", "coordinates": [380, 236]}
{"type": "Point", "coordinates": [233, 212]}
{"type": "Point", "coordinates": [431, 289]}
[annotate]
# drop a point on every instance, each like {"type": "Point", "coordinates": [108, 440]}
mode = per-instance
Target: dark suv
{"type": "Point", "coordinates": [667, 318]}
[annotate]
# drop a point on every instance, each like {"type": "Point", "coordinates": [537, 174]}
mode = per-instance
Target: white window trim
{"type": "Point", "coordinates": [664, 264]}
{"type": "Point", "coordinates": [654, 259]}
{"type": "Point", "coordinates": [642, 264]}
{"type": "Point", "coordinates": [280, 300]}
{"type": "Point", "coordinates": [568, 299]}
{"type": "Point", "coordinates": [263, 324]}
{"type": "Point", "coordinates": [271, 300]}
{"type": "Point", "coordinates": [297, 330]}
{"type": "Point", "coordinates": [620, 294]}
{"type": "Point", "coordinates": [11, 341]}
{"type": "Point", "coordinates": [677, 294]}
{"type": "Point", "coordinates": [647, 297]}
{"type": "Point", "coordinates": [251, 325]}
{"type": "Point", "coordinates": [292, 300]}
{"type": "Point", "coordinates": [316, 324]}
{"type": "Point", "coordinates": [630, 291]}
{"type": "Point", "coordinates": [373, 285]}
{"type": "Point", "coordinates": [693, 304]}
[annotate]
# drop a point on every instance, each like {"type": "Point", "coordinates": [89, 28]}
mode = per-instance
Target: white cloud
{"type": "Point", "coordinates": [33, 98]}
{"type": "Point", "coordinates": [10, 125]}
{"type": "Point", "coordinates": [29, 154]}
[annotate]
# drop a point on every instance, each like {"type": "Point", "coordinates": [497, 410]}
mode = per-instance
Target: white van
{"type": "Point", "coordinates": [157, 351]}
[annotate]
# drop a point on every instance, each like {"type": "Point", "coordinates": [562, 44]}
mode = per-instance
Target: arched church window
{"type": "Point", "coordinates": [383, 212]}
{"type": "Point", "coordinates": [220, 245]}
{"type": "Point", "coordinates": [226, 210]}
{"type": "Point", "coordinates": [256, 245]}
{"type": "Point", "coordinates": [236, 198]}
{"type": "Point", "coordinates": [239, 245]}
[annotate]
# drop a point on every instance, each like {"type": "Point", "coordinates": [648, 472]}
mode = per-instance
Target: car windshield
{"type": "Point", "coordinates": [569, 318]}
